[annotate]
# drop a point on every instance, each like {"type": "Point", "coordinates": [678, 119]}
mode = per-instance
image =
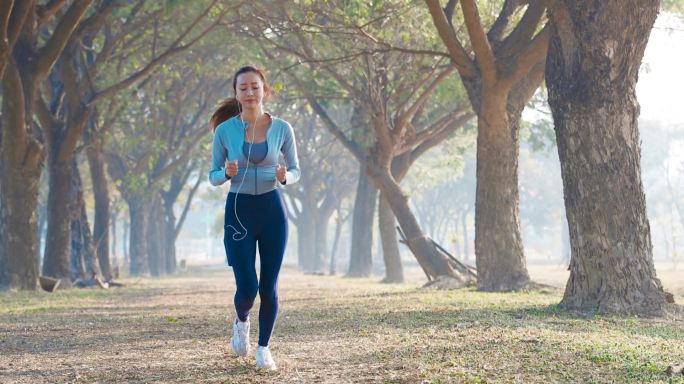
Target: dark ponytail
{"type": "Point", "coordinates": [227, 109]}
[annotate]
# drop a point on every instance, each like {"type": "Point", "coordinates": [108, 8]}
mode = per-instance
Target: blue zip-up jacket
{"type": "Point", "coordinates": [260, 178]}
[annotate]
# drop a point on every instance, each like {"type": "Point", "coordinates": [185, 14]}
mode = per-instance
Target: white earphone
{"type": "Point", "coordinates": [237, 236]}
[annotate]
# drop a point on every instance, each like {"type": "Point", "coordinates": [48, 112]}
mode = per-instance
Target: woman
{"type": "Point", "coordinates": [247, 142]}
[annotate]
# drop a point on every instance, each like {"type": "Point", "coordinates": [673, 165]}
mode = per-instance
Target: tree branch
{"type": "Point", "coordinates": [48, 54]}
{"type": "Point", "coordinates": [439, 137]}
{"type": "Point", "coordinates": [14, 121]}
{"type": "Point", "coordinates": [186, 207]}
{"type": "Point", "coordinates": [446, 32]}
{"type": "Point", "coordinates": [525, 29]}
{"type": "Point", "coordinates": [44, 12]}
{"type": "Point", "coordinates": [170, 51]}
{"type": "Point", "coordinates": [495, 33]}
{"type": "Point", "coordinates": [478, 39]}
{"type": "Point", "coordinates": [532, 54]}
{"type": "Point", "coordinates": [18, 14]}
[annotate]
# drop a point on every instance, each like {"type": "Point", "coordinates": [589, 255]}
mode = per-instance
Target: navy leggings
{"type": "Point", "coordinates": [266, 222]}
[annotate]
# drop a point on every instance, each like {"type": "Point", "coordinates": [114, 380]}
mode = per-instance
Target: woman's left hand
{"type": "Point", "coordinates": [280, 173]}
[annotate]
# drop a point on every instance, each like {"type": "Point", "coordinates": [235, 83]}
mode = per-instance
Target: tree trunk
{"type": "Point", "coordinates": [361, 257]}
{"type": "Point", "coordinates": [169, 245]}
{"type": "Point", "coordinates": [498, 244]}
{"type": "Point", "coordinates": [102, 203]}
{"type": "Point", "coordinates": [394, 272]}
{"type": "Point", "coordinates": [138, 210]}
{"type": "Point", "coordinates": [91, 262]}
{"type": "Point", "coordinates": [18, 220]}
{"type": "Point", "coordinates": [321, 242]}
{"type": "Point", "coordinates": [61, 203]}
{"type": "Point", "coordinates": [333, 252]}
{"type": "Point", "coordinates": [77, 247]}
{"type": "Point", "coordinates": [433, 263]}
{"type": "Point", "coordinates": [154, 239]}
{"type": "Point", "coordinates": [594, 57]}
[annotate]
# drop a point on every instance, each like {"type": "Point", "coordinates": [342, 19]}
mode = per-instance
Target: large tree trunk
{"type": "Point", "coordinates": [394, 272]}
{"type": "Point", "coordinates": [138, 210]}
{"type": "Point", "coordinates": [594, 57]}
{"type": "Point", "coordinates": [498, 244]}
{"type": "Point", "coordinates": [21, 161]}
{"type": "Point", "coordinates": [61, 203]}
{"type": "Point", "coordinates": [18, 226]}
{"type": "Point", "coordinates": [102, 215]}
{"type": "Point", "coordinates": [361, 257]}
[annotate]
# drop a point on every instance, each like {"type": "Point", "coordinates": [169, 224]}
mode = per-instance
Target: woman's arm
{"type": "Point", "coordinates": [289, 150]}
{"type": "Point", "coordinates": [219, 154]}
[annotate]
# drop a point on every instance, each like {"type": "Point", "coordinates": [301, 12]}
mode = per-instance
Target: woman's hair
{"type": "Point", "coordinates": [229, 108]}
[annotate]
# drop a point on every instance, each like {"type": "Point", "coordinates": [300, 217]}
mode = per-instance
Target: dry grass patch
{"type": "Point", "coordinates": [330, 330]}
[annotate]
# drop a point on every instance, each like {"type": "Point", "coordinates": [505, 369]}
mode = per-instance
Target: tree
{"type": "Point", "coordinates": [21, 147]}
{"type": "Point", "coordinates": [500, 73]}
{"type": "Point", "coordinates": [390, 101]}
{"type": "Point", "coordinates": [591, 72]}
{"type": "Point", "coordinates": [80, 82]}
{"type": "Point", "coordinates": [167, 111]}
{"type": "Point", "coordinates": [321, 189]}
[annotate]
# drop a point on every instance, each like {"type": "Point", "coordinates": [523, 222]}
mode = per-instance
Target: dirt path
{"type": "Point", "coordinates": [330, 329]}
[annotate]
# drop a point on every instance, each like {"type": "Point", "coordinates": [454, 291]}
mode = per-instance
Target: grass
{"type": "Point", "coordinates": [330, 329]}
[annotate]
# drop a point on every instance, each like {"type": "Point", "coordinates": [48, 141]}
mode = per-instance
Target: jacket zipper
{"type": "Point", "coordinates": [256, 190]}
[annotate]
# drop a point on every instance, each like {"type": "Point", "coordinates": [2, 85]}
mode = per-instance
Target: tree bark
{"type": "Point", "coordinates": [394, 273]}
{"type": "Point", "coordinates": [18, 226]}
{"type": "Point", "coordinates": [594, 57]}
{"type": "Point", "coordinates": [96, 163]}
{"type": "Point", "coordinates": [361, 257]}
{"type": "Point", "coordinates": [498, 243]}
{"type": "Point", "coordinates": [61, 203]}
{"type": "Point", "coordinates": [21, 160]}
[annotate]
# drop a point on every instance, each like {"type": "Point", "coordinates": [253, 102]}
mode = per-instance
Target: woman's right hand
{"type": "Point", "coordinates": [231, 168]}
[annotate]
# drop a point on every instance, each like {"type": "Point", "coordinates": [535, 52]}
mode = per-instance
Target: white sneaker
{"type": "Point", "coordinates": [240, 339]}
{"type": "Point", "coordinates": [264, 359]}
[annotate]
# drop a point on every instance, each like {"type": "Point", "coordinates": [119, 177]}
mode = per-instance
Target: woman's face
{"type": "Point", "coordinates": [250, 90]}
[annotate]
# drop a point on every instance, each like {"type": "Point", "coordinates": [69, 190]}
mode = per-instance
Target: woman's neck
{"type": "Point", "coordinates": [251, 115]}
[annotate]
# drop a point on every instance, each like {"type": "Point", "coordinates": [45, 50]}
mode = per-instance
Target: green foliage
{"type": "Point", "coordinates": [674, 6]}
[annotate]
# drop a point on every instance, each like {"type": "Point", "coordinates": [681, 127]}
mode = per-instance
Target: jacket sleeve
{"type": "Point", "coordinates": [219, 154]}
{"type": "Point", "coordinates": [289, 150]}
